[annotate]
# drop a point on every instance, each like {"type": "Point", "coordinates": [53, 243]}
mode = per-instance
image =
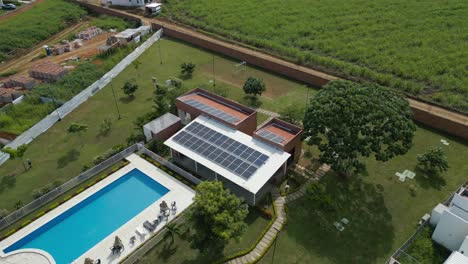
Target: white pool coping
{"type": "Point", "coordinates": [178, 192]}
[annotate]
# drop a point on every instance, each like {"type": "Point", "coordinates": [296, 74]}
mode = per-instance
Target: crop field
{"type": "Point", "coordinates": [418, 47]}
{"type": "Point", "coordinates": [31, 26]}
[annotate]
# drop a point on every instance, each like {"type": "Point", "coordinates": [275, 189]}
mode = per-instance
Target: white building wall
{"type": "Point", "coordinates": [124, 2]}
{"type": "Point", "coordinates": [437, 213]}
{"type": "Point", "coordinates": [450, 231]}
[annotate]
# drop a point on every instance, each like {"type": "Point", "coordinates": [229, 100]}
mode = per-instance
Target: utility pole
{"type": "Point", "coordinates": [214, 78]}
{"type": "Point", "coordinates": [115, 100]}
{"type": "Point", "coordinates": [55, 103]}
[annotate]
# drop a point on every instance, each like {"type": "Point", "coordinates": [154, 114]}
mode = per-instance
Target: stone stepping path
{"type": "Point", "coordinates": [280, 220]}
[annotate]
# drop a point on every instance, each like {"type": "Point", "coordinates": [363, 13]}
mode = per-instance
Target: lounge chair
{"type": "Point", "coordinates": [338, 226]}
{"type": "Point", "coordinates": [140, 231]}
{"type": "Point", "coordinates": [149, 226]}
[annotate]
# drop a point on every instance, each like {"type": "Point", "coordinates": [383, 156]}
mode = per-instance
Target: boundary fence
{"type": "Point", "coordinates": [69, 106]}
{"type": "Point", "coordinates": [48, 197]}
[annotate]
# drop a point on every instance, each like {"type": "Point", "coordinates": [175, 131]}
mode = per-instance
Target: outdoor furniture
{"type": "Point", "coordinates": [445, 142]}
{"type": "Point", "coordinates": [339, 226]}
{"type": "Point", "coordinates": [118, 246]}
{"type": "Point", "coordinates": [344, 221]}
{"type": "Point", "coordinates": [163, 207]}
{"type": "Point", "coordinates": [173, 207]}
{"type": "Point", "coordinates": [140, 231]}
{"type": "Point", "coordinates": [149, 226]}
{"type": "Point", "coordinates": [132, 240]}
{"type": "Point", "coordinates": [88, 261]}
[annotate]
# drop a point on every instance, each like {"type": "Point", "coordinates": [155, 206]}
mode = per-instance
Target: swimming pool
{"type": "Point", "coordinates": [78, 229]}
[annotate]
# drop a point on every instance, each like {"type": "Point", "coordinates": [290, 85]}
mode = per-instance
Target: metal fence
{"type": "Point", "coordinates": [34, 205]}
{"type": "Point", "coordinates": [169, 164]}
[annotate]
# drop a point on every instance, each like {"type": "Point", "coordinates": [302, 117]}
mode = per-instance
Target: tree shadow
{"type": "Point", "coordinates": [252, 101]}
{"type": "Point", "coordinates": [70, 156]}
{"type": "Point", "coordinates": [369, 234]}
{"type": "Point", "coordinates": [127, 99]}
{"type": "Point", "coordinates": [427, 181]}
{"type": "Point", "coordinates": [167, 250]}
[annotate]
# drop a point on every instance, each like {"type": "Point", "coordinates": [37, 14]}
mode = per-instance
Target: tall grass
{"type": "Point", "coordinates": [418, 47]}
{"type": "Point", "coordinates": [36, 24]}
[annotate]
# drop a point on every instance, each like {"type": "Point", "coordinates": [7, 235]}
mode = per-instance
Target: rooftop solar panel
{"type": "Point", "coordinates": [224, 151]}
{"type": "Point", "coordinates": [271, 136]}
{"type": "Point", "coordinates": [212, 111]}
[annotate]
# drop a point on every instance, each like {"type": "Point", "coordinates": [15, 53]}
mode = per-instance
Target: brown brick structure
{"type": "Point", "coordinates": [292, 137]}
{"type": "Point", "coordinates": [47, 71]}
{"type": "Point", "coordinates": [19, 80]}
{"type": "Point", "coordinates": [247, 116]}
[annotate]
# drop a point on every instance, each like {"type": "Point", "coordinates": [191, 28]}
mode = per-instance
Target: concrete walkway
{"type": "Point", "coordinates": [280, 220]}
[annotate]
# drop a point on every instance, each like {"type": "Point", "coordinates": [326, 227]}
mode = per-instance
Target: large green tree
{"type": "Point", "coordinates": [217, 216]}
{"type": "Point", "coordinates": [347, 121]}
{"type": "Point", "coordinates": [130, 88]}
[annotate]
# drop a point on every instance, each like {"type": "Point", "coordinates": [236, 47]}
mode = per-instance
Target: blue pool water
{"type": "Point", "coordinates": [75, 231]}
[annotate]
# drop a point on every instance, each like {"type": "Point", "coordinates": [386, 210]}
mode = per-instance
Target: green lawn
{"type": "Point", "coordinates": [59, 155]}
{"type": "Point", "coordinates": [181, 251]}
{"type": "Point", "coordinates": [30, 27]}
{"type": "Point", "coordinates": [382, 211]}
{"type": "Point", "coordinates": [424, 250]}
{"type": "Point", "coordinates": [385, 213]}
{"type": "Point", "coordinates": [415, 46]}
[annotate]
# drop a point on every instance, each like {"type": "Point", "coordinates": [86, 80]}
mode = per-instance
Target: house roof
{"type": "Point", "coordinates": [278, 132]}
{"type": "Point", "coordinates": [456, 258]}
{"type": "Point", "coordinates": [275, 157]}
{"type": "Point", "coordinates": [162, 122]}
{"type": "Point", "coordinates": [216, 106]}
{"type": "Point", "coordinates": [48, 67]}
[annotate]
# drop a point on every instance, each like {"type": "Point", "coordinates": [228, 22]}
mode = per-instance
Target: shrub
{"type": "Point", "coordinates": [3, 213]}
{"type": "Point", "coordinates": [57, 183]}
{"type": "Point", "coordinates": [9, 180]}
{"type": "Point", "coordinates": [109, 153]}
{"type": "Point", "coordinates": [37, 193]}
{"type": "Point", "coordinates": [53, 206]}
{"type": "Point", "coordinates": [40, 214]}
{"type": "Point", "coordinates": [25, 223]}
{"type": "Point", "coordinates": [47, 188]}
{"type": "Point", "coordinates": [85, 168]}
{"type": "Point", "coordinates": [80, 190]}
{"type": "Point", "coordinates": [12, 231]}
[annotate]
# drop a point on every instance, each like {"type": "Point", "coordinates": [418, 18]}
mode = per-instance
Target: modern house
{"type": "Point", "coordinates": [451, 226]}
{"type": "Point", "coordinates": [221, 142]}
{"type": "Point", "coordinates": [162, 127]}
{"type": "Point", "coordinates": [47, 71]}
{"type": "Point", "coordinates": [201, 102]}
{"type": "Point", "coordinates": [216, 151]}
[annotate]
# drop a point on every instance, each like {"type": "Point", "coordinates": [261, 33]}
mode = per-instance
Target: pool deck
{"type": "Point", "coordinates": [179, 192]}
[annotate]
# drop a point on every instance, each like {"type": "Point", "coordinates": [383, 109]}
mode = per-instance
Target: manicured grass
{"type": "Point", "coordinates": [414, 46]}
{"type": "Point", "coordinates": [60, 199]}
{"type": "Point", "coordinates": [30, 27]}
{"type": "Point", "coordinates": [382, 211]}
{"type": "Point", "coordinates": [58, 154]}
{"type": "Point", "coordinates": [181, 251]}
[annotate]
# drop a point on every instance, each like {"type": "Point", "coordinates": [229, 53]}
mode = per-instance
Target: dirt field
{"type": "Point", "coordinates": [25, 62]}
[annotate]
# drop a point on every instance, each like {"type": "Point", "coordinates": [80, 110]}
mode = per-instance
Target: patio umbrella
{"type": "Point", "coordinates": [88, 261]}
{"type": "Point", "coordinates": [118, 244]}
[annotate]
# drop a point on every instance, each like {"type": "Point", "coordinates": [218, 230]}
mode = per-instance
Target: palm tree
{"type": "Point", "coordinates": [171, 230]}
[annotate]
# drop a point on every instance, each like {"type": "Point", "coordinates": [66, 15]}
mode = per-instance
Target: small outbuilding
{"type": "Point", "coordinates": [162, 127]}
{"type": "Point", "coordinates": [153, 9]}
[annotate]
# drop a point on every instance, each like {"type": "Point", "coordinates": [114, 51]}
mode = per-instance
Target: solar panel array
{"type": "Point", "coordinates": [222, 150]}
{"type": "Point", "coordinates": [271, 136]}
{"type": "Point", "coordinates": [212, 111]}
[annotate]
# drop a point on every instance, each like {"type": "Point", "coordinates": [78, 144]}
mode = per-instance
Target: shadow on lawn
{"type": "Point", "coordinates": [367, 237]}
{"type": "Point", "coordinates": [429, 181]}
{"type": "Point", "coordinates": [70, 156]}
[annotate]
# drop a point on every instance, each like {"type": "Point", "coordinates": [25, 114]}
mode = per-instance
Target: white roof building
{"type": "Point", "coordinates": [217, 151]}
{"type": "Point", "coordinates": [451, 224]}
{"type": "Point", "coordinates": [158, 127]}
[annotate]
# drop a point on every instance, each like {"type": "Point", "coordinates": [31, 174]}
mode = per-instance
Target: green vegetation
{"type": "Point", "coordinates": [414, 46]}
{"type": "Point", "coordinates": [389, 202]}
{"type": "Point", "coordinates": [130, 88]}
{"type": "Point", "coordinates": [433, 161]}
{"type": "Point", "coordinates": [424, 250]}
{"type": "Point", "coordinates": [347, 121]}
{"type": "Point", "coordinates": [217, 216]}
{"type": "Point", "coordinates": [254, 86]}
{"type": "Point", "coordinates": [28, 28]}
{"type": "Point", "coordinates": [110, 22]}
{"type": "Point", "coordinates": [181, 250]}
